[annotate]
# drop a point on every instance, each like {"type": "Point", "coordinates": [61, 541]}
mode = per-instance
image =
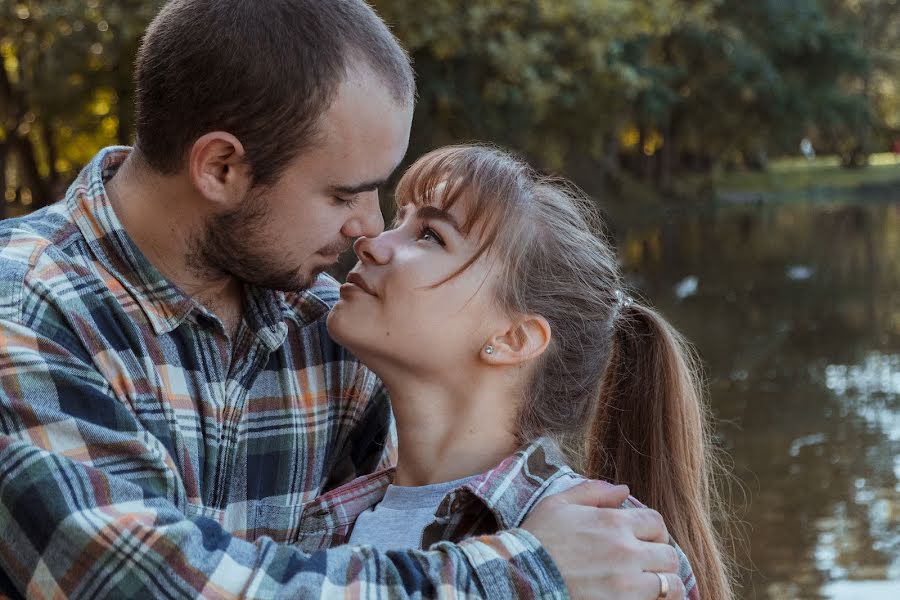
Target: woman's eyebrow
{"type": "Point", "coordinates": [433, 212]}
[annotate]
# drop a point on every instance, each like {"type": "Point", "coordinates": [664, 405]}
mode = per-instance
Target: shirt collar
{"type": "Point", "coordinates": [164, 304]}
{"type": "Point", "coordinates": [511, 489]}
{"type": "Point", "coordinates": [508, 491]}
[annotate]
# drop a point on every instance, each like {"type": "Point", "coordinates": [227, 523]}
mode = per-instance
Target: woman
{"type": "Point", "coordinates": [496, 318]}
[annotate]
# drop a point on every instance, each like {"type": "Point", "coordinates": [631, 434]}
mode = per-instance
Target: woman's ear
{"type": "Point", "coordinates": [527, 338]}
{"type": "Point", "coordinates": [217, 168]}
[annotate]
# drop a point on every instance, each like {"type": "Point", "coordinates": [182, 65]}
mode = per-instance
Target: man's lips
{"type": "Point", "coordinates": [332, 253]}
{"type": "Point", "coordinates": [357, 280]}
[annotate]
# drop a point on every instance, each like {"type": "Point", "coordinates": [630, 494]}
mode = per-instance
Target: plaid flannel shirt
{"type": "Point", "coordinates": [144, 455]}
{"type": "Point", "coordinates": [497, 499]}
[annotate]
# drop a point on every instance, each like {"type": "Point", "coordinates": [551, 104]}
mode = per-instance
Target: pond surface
{"type": "Point", "coordinates": [795, 309]}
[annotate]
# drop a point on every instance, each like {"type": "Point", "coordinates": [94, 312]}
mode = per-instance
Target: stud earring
{"type": "Point", "coordinates": [489, 350]}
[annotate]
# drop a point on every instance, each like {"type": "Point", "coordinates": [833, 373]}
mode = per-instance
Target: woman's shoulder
{"type": "Point", "coordinates": [564, 482]}
{"type": "Point", "coordinates": [567, 481]}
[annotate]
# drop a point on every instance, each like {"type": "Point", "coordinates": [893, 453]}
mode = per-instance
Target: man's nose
{"type": "Point", "coordinates": [366, 219]}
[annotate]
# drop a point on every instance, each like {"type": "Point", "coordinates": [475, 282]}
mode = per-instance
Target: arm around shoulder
{"type": "Point", "coordinates": [92, 505]}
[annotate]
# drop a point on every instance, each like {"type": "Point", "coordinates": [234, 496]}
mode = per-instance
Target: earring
{"type": "Point", "coordinates": [489, 350]}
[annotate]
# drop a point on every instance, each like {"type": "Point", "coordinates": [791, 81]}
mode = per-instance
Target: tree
{"type": "Point", "coordinates": [751, 80]}
{"type": "Point", "coordinates": [541, 76]}
{"type": "Point", "coordinates": [65, 89]}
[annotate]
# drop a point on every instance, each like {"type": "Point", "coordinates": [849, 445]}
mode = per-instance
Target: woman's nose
{"type": "Point", "coordinates": [373, 250]}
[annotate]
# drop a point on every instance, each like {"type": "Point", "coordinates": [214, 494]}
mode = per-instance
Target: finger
{"type": "Point", "coordinates": [595, 493]}
{"type": "Point", "coordinates": [651, 586]}
{"type": "Point", "coordinates": [659, 558]}
{"type": "Point", "coordinates": [647, 525]}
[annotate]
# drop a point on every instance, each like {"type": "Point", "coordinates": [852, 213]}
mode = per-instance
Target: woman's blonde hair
{"type": "Point", "coordinates": [617, 386]}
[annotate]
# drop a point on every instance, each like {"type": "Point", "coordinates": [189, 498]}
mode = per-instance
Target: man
{"type": "Point", "coordinates": [169, 398]}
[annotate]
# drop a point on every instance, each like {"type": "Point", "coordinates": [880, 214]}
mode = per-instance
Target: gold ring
{"type": "Point", "coordinates": [663, 587]}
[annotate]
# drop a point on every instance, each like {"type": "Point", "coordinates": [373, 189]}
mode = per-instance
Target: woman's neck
{"type": "Point", "coordinates": [446, 433]}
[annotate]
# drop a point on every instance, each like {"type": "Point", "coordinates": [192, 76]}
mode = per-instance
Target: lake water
{"type": "Point", "coordinates": [795, 309]}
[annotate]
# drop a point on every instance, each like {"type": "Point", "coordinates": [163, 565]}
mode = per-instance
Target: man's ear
{"type": "Point", "coordinates": [217, 169]}
{"type": "Point", "coordinates": [526, 338]}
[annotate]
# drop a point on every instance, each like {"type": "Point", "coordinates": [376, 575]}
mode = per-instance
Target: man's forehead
{"type": "Point", "coordinates": [360, 154]}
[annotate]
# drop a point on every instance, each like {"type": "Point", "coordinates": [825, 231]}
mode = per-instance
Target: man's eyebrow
{"type": "Point", "coordinates": [352, 190]}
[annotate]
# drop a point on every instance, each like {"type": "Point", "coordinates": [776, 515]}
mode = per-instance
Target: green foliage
{"type": "Point", "coordinates": [65, 89]}
{"type": "Point", "coordinates": [546, 77]}
{"type": "Point", "coordinates": [660, 88]}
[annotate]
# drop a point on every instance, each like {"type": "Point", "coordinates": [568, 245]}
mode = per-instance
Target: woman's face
{"type": "Point", "coordinates": [394, 309]}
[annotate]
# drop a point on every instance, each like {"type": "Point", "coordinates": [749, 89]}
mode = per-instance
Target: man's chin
{"type": "Point", "coordinates": [300, 282]}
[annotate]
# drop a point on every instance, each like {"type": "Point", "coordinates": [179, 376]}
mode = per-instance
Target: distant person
{"type": "Point", "coordinates": [170, 400]}
{"type": "Point", "coordinates": [895, 148]}
{"type": "Point", "coordinates": [807, 150]}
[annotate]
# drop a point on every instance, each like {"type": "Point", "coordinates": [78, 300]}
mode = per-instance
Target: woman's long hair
{"type": "Point", "coordinates": [617, 386]}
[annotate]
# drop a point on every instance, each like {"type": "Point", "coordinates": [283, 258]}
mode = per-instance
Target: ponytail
{"type": "Point", "coordinates": [650, 432]}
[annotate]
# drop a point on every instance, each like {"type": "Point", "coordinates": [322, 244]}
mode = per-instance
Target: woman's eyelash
{"type": "Point", "coordinates": [423, 230]}
{"type": "Point", "coordinates": [426, 230]}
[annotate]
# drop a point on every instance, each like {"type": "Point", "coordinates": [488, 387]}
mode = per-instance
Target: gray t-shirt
{"type": "Point", "coordinates": [397, 522]}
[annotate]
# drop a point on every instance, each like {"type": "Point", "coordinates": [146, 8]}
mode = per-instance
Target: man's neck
{"type": "Point", "coordinates": [447, 432]}
{"type": "Point", "coordinates": [160, 215]}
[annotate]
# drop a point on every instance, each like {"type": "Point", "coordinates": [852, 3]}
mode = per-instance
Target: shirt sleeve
{"type": "Point", "coordinates": [92, 506]}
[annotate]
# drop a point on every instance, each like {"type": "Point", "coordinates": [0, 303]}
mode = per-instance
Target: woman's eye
{"type": "Point", "coordinates": [429, 233]}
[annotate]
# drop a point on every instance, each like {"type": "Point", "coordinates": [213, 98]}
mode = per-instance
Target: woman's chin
{"type": "Point", "coordinates": [341, 327]}
{"type": "Point", "coordinates": [336, 322]}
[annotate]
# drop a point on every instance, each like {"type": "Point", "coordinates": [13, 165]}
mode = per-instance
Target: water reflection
{"type": "Point", "coordinates": [796, 311]}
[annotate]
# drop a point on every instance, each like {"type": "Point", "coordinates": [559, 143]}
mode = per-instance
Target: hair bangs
{"type": "Point", "coordinates": [486, 183]}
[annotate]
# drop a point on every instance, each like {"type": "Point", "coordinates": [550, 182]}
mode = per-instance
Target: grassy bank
{"type": "Point", "coordinates": [794, 175]}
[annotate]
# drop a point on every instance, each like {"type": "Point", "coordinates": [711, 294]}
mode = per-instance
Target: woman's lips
{"type": "Point", "coordinates": [357, 280]}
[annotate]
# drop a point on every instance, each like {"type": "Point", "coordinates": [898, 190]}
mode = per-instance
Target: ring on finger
{"type": "Point", "coordinates": [663, 587]}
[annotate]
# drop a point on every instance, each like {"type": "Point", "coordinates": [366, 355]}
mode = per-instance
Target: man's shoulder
{"type": "Point", "coordinates": [35, 252]}
{"type": "Point", "coordinates": [326, 290]}
{"type": "Point", "coordinates": [24, 237]}
{"type": "Point", "coordinates": [313, 304]}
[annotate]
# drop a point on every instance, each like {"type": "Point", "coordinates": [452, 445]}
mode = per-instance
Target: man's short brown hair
{"type": "Point", "coordinates": [263, 70]}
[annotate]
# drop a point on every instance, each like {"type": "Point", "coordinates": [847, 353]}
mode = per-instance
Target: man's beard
{"type": "Point", "coordinates": [232, 245]}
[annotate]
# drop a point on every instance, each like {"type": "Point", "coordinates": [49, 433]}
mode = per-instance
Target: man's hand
{"type": "Point", "coordinates": [604, 552]}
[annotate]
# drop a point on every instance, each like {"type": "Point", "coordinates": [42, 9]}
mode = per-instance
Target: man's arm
{"type": "Point", "coordinates": [92, 506]}
{"type": "Point", "coordinates": [73, 531]}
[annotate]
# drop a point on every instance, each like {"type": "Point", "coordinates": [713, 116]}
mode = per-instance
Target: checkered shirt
{"type": "Point", "coordinates": [143, 454]}
{"type": "Point", "coordinates": [498, 499]}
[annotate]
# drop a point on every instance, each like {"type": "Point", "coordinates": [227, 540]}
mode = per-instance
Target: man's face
{"type": "Point", "coordinates": [281, 237]}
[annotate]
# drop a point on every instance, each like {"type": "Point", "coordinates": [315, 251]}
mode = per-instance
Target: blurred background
{"type": "Point", "coordinates": [747, 156]}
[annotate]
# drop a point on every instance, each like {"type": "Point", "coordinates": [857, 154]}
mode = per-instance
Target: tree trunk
{"type": "Point", "coordinates": [4, 147]}
{"type": "Point", "coordinates": [125, 110]}
{"type": "Point", "coordinates": [666, 158]}
{"type": "Point", "coordinates": [52, 155]}
{"type": "Point", "coordinates": [41, 194]}
{"type": "Point", "coordinates": [15, 108]}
